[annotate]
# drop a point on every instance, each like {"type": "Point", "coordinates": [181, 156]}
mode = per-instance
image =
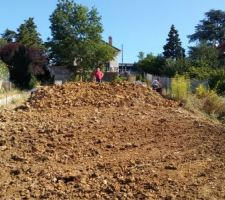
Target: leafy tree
{"type": "Point", "coordinates": [204, 55]}
{"type": "Point", "coordinates": [152, 64]}
{"type": "Point", "coordinates": [211, 29]}
{"type": "Point", "coordinates": [28, 35]}
{"type": "Point", "coordinates": [200, 73]}
{"type": "Point", "coordinates": [173, 67]}
{"type": "Point", "coordinates": [9, 35]}
{"type": "Point", "coordinates": [96, 54]}
{"type": "Point", "coordinates": [76, 36]}
{"type": "Point", "coordinates": [173, 49]}
{"type": "Point", "coordinates": [24, 63]}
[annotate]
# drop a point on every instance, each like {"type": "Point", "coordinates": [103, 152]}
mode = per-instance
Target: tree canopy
{"type": "Point", "coordinates": [152, 64]}
{"type": "Point", "coordinates": [76, 36]}
{"type": "Point", "coordinates": [23, 63]}
{"type": "Point", "coordinates": [28, 36]}
{"type": "Point", "coordinates": [173, 48]}
{"type": "Point", "coordinates": [211, 29]}
{"type": "Point", "coordinates": [204, 55]}
{"type": "Point", "coordinates": [9, 35]}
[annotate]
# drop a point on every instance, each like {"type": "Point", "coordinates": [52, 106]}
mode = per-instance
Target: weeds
{"type": "Point", "coordinates": [204, 100]}
{"type": "Point", "coordinates": [180, 88]}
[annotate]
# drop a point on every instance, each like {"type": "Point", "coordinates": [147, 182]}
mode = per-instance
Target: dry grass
{"type": "Point", "coordinates": [22, 97]}
{"type": "Point", "coordinates": [208, 102]}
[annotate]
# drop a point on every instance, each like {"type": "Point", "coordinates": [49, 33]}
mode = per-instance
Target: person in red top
{"type": "Point", "coordinates": [99, 75]}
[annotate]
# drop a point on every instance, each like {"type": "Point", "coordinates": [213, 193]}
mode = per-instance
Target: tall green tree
{"type": "Point", "coordinates": [211, 29]}
{"type": "Point", "coordinates": [152, 64]}
{"type": "Point", "coordinates": [28, 36]}
{"type": "Point", "coordinates": [204, 55]}
{"type": "Point", "coordinates": [9, 35]}
{"type": "Point", "coordinates": [76, 36]}
{"type": "Point", "coordinates": [173, 48]}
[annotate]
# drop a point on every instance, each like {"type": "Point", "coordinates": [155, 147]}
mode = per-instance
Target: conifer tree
{"type": "Point", "coordinates": [28, 35]}
{"type": "Point", "coordinates": [173, 48]}
{"type": "Point", "coordinates": [211, 29]}
{"type": "Point", "coordinates": [9, 35]}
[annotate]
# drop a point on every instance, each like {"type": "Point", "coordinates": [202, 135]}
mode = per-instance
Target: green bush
{"type": "Point", "coordinates": [217, 81]}
{"type": "Point", "coordinates": [174, 66]}
{"type": "Point", "coordinates": [201, 91]}
{"type": "Point", "coordinates": [180, 87]}
{"type": "Point", "coordinates": [200, 72]}
{"type": "Point", "coordinates": [211, 102]}
{"type": "Point", "coordinates": [214, 104]}
{"type": "Point", "coordinates": [33, 82]}
{"type": "Point", "coordinates": [3, 70]}
{"type": "Point", "coordinates": [120, 78]}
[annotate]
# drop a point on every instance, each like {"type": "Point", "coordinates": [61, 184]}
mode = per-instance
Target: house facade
{"type": "Point", "coordinates": [113, 65]}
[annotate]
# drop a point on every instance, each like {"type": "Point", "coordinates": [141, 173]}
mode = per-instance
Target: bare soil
{"type": "Point", "coordinates": [109, 141]}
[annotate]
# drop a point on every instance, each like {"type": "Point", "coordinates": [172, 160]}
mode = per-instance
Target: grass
{"type": "Point", "coordinates": [4, 93]}
{"type": "Point", "coordinates": [203, 100]}
{"type": "Point", "coordinates": [22, 97]}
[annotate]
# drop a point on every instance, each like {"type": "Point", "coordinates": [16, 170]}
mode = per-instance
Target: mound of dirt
{"type": "Point", "coordinates": [98, 95]}
{"type": "Point", "coordinates": [109, 141]}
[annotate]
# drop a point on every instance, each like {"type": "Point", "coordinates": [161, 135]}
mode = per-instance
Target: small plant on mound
{"type": "Point", "coordinates": [180, 87]}
{"type": "Point", "coordinates": [201, 91]}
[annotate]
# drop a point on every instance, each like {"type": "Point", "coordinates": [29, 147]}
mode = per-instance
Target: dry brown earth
{"type": "Point", "coordinates": [109, 141]}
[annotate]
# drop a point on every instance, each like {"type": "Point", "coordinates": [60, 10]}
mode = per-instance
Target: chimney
{"type": "Point", "coordinates": [110, 40]}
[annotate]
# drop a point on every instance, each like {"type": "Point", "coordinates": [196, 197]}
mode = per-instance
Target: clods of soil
{"type": "Point", "coordinates": [109, 141]}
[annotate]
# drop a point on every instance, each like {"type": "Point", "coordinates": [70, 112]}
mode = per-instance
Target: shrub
{"type": "Point", "coordinates": [201, 91]}
{"type": "Point", "coordinates": [3, 70]}
{"type": "Point", "coordinates": [200, 72]}
{"type": "Point", "coordinates": [217, 81]}
{"type": "Point", "coordinates": [120, 78]}
{"type": "Point", "coordinates": [213, 104]}
{"type": "Point", "coordinates": [33, 82]}
{"type": "Point", "coordinates": [180, 87]}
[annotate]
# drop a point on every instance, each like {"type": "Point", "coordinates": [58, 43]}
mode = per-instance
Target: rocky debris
{"type": "Point", "coordinates": [97, 95]}
{"type": "Point", "coordinates": [108, 141]}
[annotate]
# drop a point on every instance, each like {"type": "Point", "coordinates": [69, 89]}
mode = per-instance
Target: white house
{"type": "Point", "coordinates": [113, 65]}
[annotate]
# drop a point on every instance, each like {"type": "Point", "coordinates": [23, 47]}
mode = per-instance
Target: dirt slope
{"type": "Point", "coordinates": [109, 141]}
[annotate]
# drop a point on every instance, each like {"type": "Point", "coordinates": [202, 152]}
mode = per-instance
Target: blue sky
{"type": "Point", "coordinates": [138, 25]}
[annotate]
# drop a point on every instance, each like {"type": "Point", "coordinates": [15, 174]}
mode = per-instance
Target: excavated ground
{"type": "Point", "coordinates": [109, 141]}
